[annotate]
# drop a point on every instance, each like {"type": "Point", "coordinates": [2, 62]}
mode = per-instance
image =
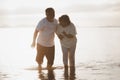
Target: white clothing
{"type": "Point", "coordinates": [46, 32]}
{"type": "Point", "coordinates": [70, 29]}
{"type": "Point", "coordinates": [69, 54]}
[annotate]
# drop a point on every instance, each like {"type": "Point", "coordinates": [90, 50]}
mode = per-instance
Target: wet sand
{"type": "Point", "coordinates": [98, 71]}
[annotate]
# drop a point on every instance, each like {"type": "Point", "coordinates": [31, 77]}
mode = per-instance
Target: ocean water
{"type": "Point", "coordinates": [97, 55]}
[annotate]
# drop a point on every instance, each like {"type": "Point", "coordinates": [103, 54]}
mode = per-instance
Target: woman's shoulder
{"type": "Point", "coordinates": [71, 24]}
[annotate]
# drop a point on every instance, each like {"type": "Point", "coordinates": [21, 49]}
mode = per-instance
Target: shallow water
{"type": "Point", "coordinates": [97, 55]}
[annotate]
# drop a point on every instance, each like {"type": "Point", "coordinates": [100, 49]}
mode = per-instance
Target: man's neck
{"type": "Point", "coordinates": [50, 20]}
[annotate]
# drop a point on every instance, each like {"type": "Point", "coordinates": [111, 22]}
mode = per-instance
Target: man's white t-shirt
{"type": "Point", "coordinates": [46, 32]}
{"type": "Point", "coordinates": [70, 29]}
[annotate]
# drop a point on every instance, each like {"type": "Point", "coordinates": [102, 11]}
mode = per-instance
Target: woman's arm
{"type": "Point", "coordinates": [68, 35]}
{"type": "Point", "coordinates": [60, 36]}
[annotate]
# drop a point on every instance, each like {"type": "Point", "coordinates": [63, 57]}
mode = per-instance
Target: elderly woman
{"type": "Point", "coordinates": [66, 32]}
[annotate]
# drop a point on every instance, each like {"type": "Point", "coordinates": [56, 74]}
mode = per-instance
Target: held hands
{"type": "Point", "coordinates": [60, 36]}
{"type": "Point", "coordinates": [67, 35]}
{"type": "Point", "coordinates": [64, 33]}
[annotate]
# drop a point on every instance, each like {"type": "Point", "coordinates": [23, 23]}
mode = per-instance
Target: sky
{"type": "Point", "coordinates": [70, 5]}
{"type": "Point", "coordinates": [107, 11]}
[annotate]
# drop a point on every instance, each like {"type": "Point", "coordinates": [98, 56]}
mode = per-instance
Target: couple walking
{"type": "Point", "coordinates": [44, 33]}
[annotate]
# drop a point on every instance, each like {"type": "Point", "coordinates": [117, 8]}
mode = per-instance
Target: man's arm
{"type": "Point", "coordinates": [34, 38]}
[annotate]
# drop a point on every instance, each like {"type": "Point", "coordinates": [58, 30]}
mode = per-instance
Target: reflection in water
{"type": "Point", "coordinates": [50, 75]}
{"type": "Point", "coordinates": [69, 74]}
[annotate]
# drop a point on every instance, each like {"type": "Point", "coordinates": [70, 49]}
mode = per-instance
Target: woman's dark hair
{"type": "Point", "coordinates": [64, 20]}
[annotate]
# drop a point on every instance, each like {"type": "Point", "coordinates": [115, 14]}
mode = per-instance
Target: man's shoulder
{"type": "Point", "coordinates": [55, 20]}
{"type": "Point", "coordinates": [43, 20]}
